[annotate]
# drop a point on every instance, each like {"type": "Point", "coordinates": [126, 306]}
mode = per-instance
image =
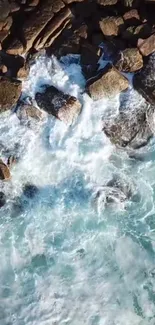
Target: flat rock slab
{"type": "Point", "coordinates": [55, 102]}
{"type": "Point", "coordinates": [107, 83]}
{"type": "Point", "coordinates": [10, 90]}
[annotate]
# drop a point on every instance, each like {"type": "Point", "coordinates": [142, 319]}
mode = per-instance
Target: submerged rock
{"type": "Point", "coordinates": [55, 102]}
{"type": "Point", "coordinates": [144, 80]}
{"type": "Point", "coordinates": [30, 191]}
{"type": "Point", "coordinates": [2, 199]}
{"type": "Point", "coordinates": [10, 90]}
{"type": "Point", "coordinates": [26, 112]}
{"type": "Point", "coordinates": [108, 82]}
{"type": "Point", "coordinates": [117, 190]}
{"type": "Point", "coordinates": [4, 171]}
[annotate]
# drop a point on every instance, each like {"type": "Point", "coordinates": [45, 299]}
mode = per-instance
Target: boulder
{"type": "Point", "coordinates": [30, 190]}
{"type": "Point", "coordinates": [130, 60]}
{"type": "Point", "coordinates": [54, 29]}
{"type": "Point", "coordinates": [26, 111]}
{"type": "Point", "coordinates": [108, 82]}
{"type": "Point", "coordinates": [34, 25]}
{"type": "Point", "coordinates": [133, 33]}
{"type": "Point", "coordinates": [131, 126]}
{"type": "Point", "coordinates": [144, 80]}
{"type": "Point", "coordinates": [4, 171]}
{"type": "Point", "coordinates": [55, 102]}
{"type": "Point", "coordinates": [10, 90]}
{"type": "Point", "coordinates": [147, 46]}
{"type": "Point", "coordinates": [111, 26]}
{"type": "Point", "coordinates": [131, 17]}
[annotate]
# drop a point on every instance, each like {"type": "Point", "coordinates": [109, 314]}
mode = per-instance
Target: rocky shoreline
{"type": "Point", "coordinates": [121, 30]}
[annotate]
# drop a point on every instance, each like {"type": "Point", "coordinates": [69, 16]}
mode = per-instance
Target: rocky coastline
{"type": "Point", "coordinates": [123, 30]}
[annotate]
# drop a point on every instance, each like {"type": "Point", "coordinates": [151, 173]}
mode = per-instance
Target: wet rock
{"type": "Point", "coordinates": [27, 111]}
{"type": "Point", "coordinates": [11, 161]}
{"type": "Point", "coordinates": [107, 83]}
{"type": "Point", "coordinates": [144, 80]}
{"type": "Point", "coordinates": [117, 190]}
{"type": "Point", "coordinates": [30, 191]}
{"type": "Point", "coordinates": [147, 46]}
{"type": "Point", "coordinates": [130, 60]}
{"type": "Point", "coordinates": [10, 90]}
{"type": "Point", "coordinates": [130, 126]}
{"type": "Point", "coordinates": [23, 72]}
{"type": "Point", "coordinates": [2, 199]}
{"type": "Point", "coordinates": [55, 102]}
{"type": "Point", "coordinates": [4, 171]}
{"type": "Point", "coordinates": [111, 26]}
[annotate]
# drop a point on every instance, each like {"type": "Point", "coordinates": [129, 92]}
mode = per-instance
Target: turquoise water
{"type": "Point", "coordinates": [67, 257]}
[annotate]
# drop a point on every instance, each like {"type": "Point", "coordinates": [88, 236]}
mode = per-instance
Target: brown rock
{"type": "Point", "coordinates": [26, 111]}
{"type": "Point", "coordinates": [54, 28]}
{"type": "Point", "coordinates": [4, 9]}
{"type": "Point", "coordinates": [107, 2]}
{"type": "Point", "coordinates": [10, 91]}
{"type": "Point", "coordinates": [15, 47]}
{"type": "Point", "coordinates": [3, 69]}
{"type": "Point", "coordinates": [110, 26]}
{"type": "Point", "coordinates": [55, 102]}
{"type": "Point", "coordinates": [7, 23]}
{"type": "Point", "coordinates": [130, 60]}
{"type": "Point", "coordinates": [35, 24]}
{"type": "Point", "coordinates": [132, 17]}
{"type": "Point", "coordinates": [4, 171]}
{"type": "Point", "coordinates": [23, 72]}
{"type": "Point", "coordinates": [147, 46]}
{"type": "Point", "coordinates": [107, 83]}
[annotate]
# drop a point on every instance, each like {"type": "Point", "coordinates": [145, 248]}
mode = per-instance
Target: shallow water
{"type": "Point", "coordinates": [66, 257]}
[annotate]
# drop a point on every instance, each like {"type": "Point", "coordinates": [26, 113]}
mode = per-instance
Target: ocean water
{"type": "Point", "coordinates": [67, 255]}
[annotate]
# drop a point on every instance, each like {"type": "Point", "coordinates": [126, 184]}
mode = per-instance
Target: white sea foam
{"type": "Point", "coordinates": [64, 260]}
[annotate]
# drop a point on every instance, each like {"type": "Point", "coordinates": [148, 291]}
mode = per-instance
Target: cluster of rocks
{"type": "Point", "coordinates": [121, 30]}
